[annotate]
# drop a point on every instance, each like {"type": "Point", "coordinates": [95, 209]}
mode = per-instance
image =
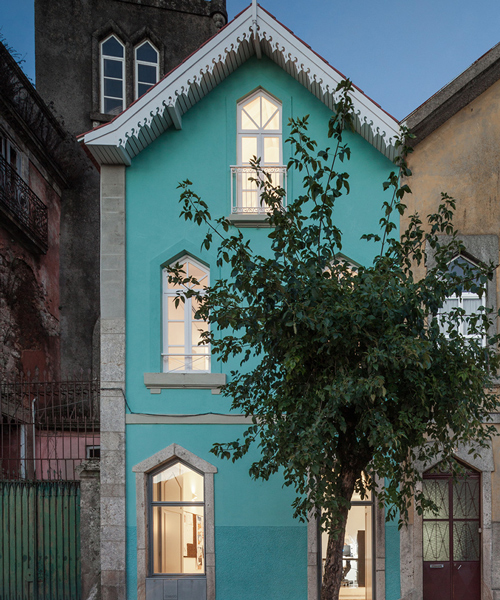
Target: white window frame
{"type": "Point", "coordinates": [117, 59]}
{"type": "Point", "coordinates": [172, 293]}
{"type": "Point", "coordinates": [462, 327]}
{"type": "Point", "coordinates": [138, 62]}
{"type": "Point", "coordinates": [260, 133]}
{"type": "Point", "coordinates": [242, 170]}
{"type": "Point", "coordinates": [460, 304]}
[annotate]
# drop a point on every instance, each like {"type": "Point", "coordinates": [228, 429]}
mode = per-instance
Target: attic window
{"type": "Point", "coordinates": [146, 68]}
{"type": "Point", "coordinates": [259, 135]}
{"type": "Point", "coordinates": [112, 76]}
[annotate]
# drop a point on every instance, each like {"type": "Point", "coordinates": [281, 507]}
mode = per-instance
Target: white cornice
{"type": "Point", "coordinates": [163, 106]}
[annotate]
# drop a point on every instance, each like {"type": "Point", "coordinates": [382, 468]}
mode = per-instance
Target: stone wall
{"type": "Point", "coordinates": [90, 525]}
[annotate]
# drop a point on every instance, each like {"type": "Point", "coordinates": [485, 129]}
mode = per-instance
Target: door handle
{"type": "Point", "coordinates": [459, 567]}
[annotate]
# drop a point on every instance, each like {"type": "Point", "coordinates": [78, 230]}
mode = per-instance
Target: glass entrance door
{"type": "Point", "coordinates": [451, 537]}
{"type": "Point", "coordinates": [357, 559]}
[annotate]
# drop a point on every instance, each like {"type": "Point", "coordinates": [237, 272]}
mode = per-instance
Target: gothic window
{"type": "Point", "coordinates": [259, 135]}
{"type": "Point", "coordinates": [466, 301]}
{"type": "Point", "coordinates": [146, 68]}
{"type": "Point", "coordinates": [112, 76]}
{"type": "Point", "coordinates": [178, 521]}
{"type": "Point", "coordinates": [182, 328]}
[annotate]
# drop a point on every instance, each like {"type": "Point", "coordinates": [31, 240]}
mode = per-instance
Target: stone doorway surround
{"type": "Point", "coordinates": [411, 553]}
{"type": "Point", "coordinates": [142, 472]}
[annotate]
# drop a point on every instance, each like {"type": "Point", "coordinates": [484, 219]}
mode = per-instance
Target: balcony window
{"type": "Point", "coordinates": [146, 68]}
{"type": "Point", "coordinates": [112, 76]}
{"type": "Point", "coordinates": [260, 136]}
{"type": "Point", "coordinates": [21, 206]}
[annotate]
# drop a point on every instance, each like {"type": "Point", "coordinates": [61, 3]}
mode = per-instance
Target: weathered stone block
{"type": "Point", "coordinates": [112, 555]}
{"type": "Point", "coordinates": [112, 414]}
{"type": "Point", "coordinates": [113, 512]}
{"type": "Point", "coordinates": [113, 468]}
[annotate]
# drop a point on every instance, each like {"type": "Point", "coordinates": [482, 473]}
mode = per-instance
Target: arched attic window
{"type": "Point", "coordinates": [112, 53]}
{"type": "Point", "coordinates": [181, 329]}
{"type": "Point", "coordinates": [468, 301]}
{"type": "Point", "coordinates": [259, 134]}
{"type": "Point", "coordinates": [146, 67]}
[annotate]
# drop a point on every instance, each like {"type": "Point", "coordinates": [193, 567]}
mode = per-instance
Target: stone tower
{"type": "Point", "coordinates": [94, 58]}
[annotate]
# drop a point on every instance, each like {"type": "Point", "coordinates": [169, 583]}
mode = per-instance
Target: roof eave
{"type": "Point", "coordinates": [148, 117]}
{"type": "Point", "coordinates": [454, 96]}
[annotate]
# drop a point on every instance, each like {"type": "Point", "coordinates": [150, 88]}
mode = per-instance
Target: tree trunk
{"type": "Point", "coordinates": [333, 575]}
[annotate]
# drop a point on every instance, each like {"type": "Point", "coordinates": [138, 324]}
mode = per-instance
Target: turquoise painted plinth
{"type": "Point", "coordinates": [257, 563]}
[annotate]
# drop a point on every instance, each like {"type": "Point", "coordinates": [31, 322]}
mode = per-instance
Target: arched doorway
{"type": "Point", "coordinates": [452, 537]}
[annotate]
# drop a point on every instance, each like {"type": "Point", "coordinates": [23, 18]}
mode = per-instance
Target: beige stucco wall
{"type": "Point", "coordinates": [462, 158]}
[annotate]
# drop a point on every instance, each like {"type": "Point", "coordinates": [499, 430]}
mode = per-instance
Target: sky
{"type": "Point", "coordinates": [399, 52]}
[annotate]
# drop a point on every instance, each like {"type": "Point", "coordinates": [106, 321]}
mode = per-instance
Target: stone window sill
{"type": "Point", "coordinates": [101, 117]}
{"type": "Point", "coordinates": [248, 220]}
{"type": "Point", "coordinates": [155, 382]}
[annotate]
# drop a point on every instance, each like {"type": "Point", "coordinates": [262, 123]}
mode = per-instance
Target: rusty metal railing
{"type": "Point", "coordinates": [47, 428]}
{"type": "Point", "coordinates": [23, 205]}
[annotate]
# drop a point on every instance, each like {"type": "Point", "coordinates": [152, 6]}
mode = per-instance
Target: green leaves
{"type": "Point", "coordinates": [345, 370]}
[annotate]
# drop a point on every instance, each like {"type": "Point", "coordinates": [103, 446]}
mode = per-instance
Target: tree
{"type": "Point", "coordinates": [345, 371]}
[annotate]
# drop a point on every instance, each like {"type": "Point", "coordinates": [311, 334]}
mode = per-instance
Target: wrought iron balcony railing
{"type": "Point", "coordinates": [246, 194]}
{"type": "Point", "coordinates": [23, 206]}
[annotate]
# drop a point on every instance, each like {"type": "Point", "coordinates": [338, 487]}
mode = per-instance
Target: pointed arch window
{"type": "Point", "coordinates": [467, 301]}
{"type": "Point", "coordinates": [178, 521]}
{"type": "Point", "coordinates": [112, 76]}
{"type": "Point", "coordinates": [260, 135]}
{"type": "Point", "coordinates": [146, 67]}
{"type": "Point", "coordinates": [175, 525]}
{"type": "Point", "coordinates": [182, 330]}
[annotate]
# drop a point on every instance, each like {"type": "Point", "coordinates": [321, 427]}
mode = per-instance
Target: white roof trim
{"type": "Point", "coordinates": [147, 118]}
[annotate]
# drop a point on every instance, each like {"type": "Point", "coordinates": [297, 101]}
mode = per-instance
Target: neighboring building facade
{"type": "Point", "coordinates": [47, 427]}
{"type": "Point", "coordinates": [31, 186]}
{"type": "Point", "coordinates": [92, 60]}
{"type": "Point", "coordinates": [457, 151]}
{"type": "Point", "coordinates": [178, 523]}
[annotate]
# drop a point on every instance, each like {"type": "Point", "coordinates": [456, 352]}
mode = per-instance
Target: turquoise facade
{"type": "Point", "coordinates": [261, 551]}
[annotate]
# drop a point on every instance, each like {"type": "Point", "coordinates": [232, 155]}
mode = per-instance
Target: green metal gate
{"type": "Point", "coordinates": [40, 540]}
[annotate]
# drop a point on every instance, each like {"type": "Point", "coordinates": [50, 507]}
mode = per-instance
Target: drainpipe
{"type": "Point", "coordinates": [34, 444]}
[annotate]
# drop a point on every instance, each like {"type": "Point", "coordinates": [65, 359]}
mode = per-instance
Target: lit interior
{"type": "Point", "coordinates": [178, 531]}
{"type": "Point", "coordinates": [357, 560]}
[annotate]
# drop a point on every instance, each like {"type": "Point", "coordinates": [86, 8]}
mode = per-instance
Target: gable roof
{"type": "Point", "coordinates": [445, 103]}
{"type": "Point", "coordinates": [253, 32]}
